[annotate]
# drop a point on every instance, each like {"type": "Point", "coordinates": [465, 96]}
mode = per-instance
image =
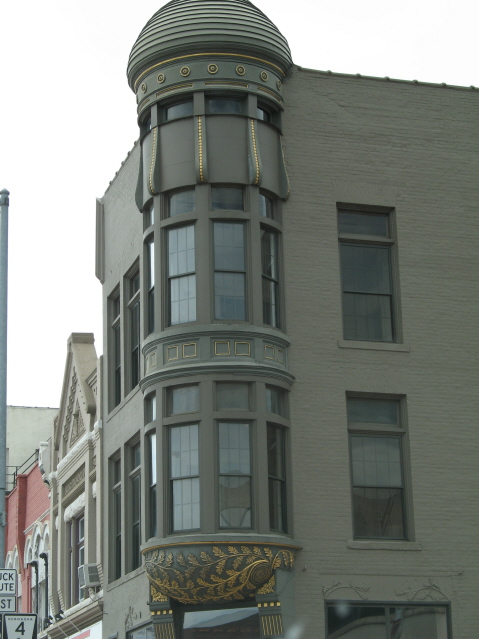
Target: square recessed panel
{"type": "Point", "coordinates": [243, 348]}
{"type": "Point", "coordinates": [189, 350]}
{"type": "Point", "coordinates": [222, 348]}
{"type": "Point", "coordinates": [172, 353]}
{"type": "Point", "coordinates": [151, 360]}
{"type": "Point", "coordinates": [280, 355]}
{"type": "Point", "coordinates": [268, 351]}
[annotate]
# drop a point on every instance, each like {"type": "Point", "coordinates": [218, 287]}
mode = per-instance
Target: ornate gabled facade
{"type": "Point", "coordinates": [287, 290]}
{"type": "Point", "coordinates": [75, 484]}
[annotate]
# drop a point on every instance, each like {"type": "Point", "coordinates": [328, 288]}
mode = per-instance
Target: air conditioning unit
{"type": "Point", "coordinates": [88, 576]}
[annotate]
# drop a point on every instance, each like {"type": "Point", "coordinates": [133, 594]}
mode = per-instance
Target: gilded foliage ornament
{"type": "Point", "coordinates": [225, 573]}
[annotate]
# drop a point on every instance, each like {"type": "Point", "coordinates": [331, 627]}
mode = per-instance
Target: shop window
{"type": "Point", "coordinates": [357, 620]}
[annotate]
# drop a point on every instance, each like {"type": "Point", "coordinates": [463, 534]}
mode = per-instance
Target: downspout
{"type": "Point", "coordinates": [34, 564]}
{"type": "Point", "coordinates": [44, 556]}
{"type": "Point", "coordinates": [3, 364]}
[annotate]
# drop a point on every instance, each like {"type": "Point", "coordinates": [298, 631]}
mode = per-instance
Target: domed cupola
{"type": "Point", "coordinates": [206, 42]}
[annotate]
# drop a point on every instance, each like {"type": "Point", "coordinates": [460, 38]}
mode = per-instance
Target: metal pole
{"type": "Point", "coordinates": [4, 202]}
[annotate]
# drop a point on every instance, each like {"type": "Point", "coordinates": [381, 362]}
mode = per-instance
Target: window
{"type": "Point", "coordinates": [77, 557]}
{"type": "Point", "coordinates": [230, 271]}
{"type": "Point", "coordinates": [145, 632]}
{"type": "Point", "coordinates": [135, 501]}
{"type": "Point", "coordinates": [226, 198]}
{"type": "Point", "coordinates": [116, 349]}
{"type": "Point", "coordinates": [266, 206]}
{"type": "Point", "coordinates": [149, 217]}
{"type": "Point", "coordinates": [152, 482]}
{"type": "Point", "coordinates": [150, 285]}
{"type": "Point", "coordinates": [366, 272]}
{"type": "Point", "coordinates": [264, 114]}
{"type": "Point", "coordinates": [115, 466]}
{"type": "Point", "coordinates": [133, 284]}
{"type": "Point", "coordinates": [276, 401]}
{"type": "Point", "coordinates": [181, 275]}
{"type": "Point", "coordinates": [183, 399]}
{"type": "Point", "coordinates": [276, 478]}
{"type": "Point", "coordinates": [184, 478]}
{"type": "Point", "coordinates": [357, 620]}
{"type": "Point", "coordinates": [234, 475]}
{"type": "Point", "coordinates": [376, 444]}
{"type": "Point", "coordinates": [181, 202]}
{"type": "Point", "coordinates": [230, 106]}
{"type": "Point", "coordinates": [270, 273]}
{"type": "Point", "coordinates": [150, 408]}
{"type": "Point", "coordinates": [180, 110]}
{"type": "Point", "coordinates": [232, 396]}
{"type": "Point", "coordinates": [240, 622]}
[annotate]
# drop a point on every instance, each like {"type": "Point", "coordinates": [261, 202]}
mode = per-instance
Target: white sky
{"type": "Point", "coordinates": [68, 119]}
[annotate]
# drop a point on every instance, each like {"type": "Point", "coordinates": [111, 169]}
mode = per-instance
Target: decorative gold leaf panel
{"type": "Point", "coordinates": [215, 572]}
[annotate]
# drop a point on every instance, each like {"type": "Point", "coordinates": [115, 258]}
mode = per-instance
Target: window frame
{"type": "Point", "coordinates": [171, 480]}
{"type": "Point", "coordinates": [150, 284]}
{"type": "Point", "coordinates": [399, 431]}
{"type": "Point", "coordinates": [76, 550]}
{"type": "Point", "coordinates": [356, 239]}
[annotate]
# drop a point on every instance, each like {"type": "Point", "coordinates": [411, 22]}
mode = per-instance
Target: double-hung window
{"type": "Point", "coordinates": [116, 350]}
{"type": "Point", "coordinates": [134, 325]}
{"type": "Point", "coordinates": [150, 284]}
{"type": "Point", "coordinates": [181, 275]}
{"type": "Point", "coordinates": [115, 466]}
{"type": "Point", "coordinates": [184, 477]}
{"type": "Point", "coordinates": [377, 468]}
{"type": "Point", "coordinates": [77, 557]}
{"type": "Point", "coordinates": [366, 271]}
{"type": "Point", "coordinates": [230, 271]}
{"type": "Point", "coordinates": [135, 501]}
{"type": "Point", "coordinates": [235, 479]}
{"type": "Point", "coordinates": [270, 277]}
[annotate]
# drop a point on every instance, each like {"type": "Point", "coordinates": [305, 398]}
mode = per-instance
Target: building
{"type": "Point", "coordinates": [27, 539]}
{"type": "Point", "coordinates": [22, 451]}
{"type": "Point", "coordinates": [287, 260]}
{"type": "Point", "coordinates": [76, 567]}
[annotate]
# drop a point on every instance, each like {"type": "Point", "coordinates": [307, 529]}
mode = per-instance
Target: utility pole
{"type": "Point", "coordinates": [4, 202]}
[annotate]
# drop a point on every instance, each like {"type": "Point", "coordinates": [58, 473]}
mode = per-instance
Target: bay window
{"type": "Point", "coordinates": [184, 477]}
{"type": "Point", "coordinates": [181, 275]}
{"type": "Point", "coordinates": [234, 475]}
{"type": "Point", "coordinates": [270, 277]}
{"type": "Point", "coordinates": [230, 271]}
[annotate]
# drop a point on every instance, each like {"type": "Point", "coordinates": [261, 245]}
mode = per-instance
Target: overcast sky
{"type": "Point", "coordinates": [68, 119]}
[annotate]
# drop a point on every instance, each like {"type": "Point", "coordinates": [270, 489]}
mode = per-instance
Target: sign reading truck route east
{"type": "Point", "coordinates": [8, 582]}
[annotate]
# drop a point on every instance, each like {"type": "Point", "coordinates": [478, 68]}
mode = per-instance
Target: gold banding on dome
{"type": "Point", "coordinates": [196, 55]}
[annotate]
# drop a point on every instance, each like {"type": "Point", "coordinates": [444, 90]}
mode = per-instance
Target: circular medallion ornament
{"type": "Point", "coordinates": [185, 71]}
{"type": "Point", "coordinates": [143, 88]}
{"type": "Point", "coordinates": [212, 68]}
{"type": "Point", "coordinates": [263, 75]}
{"type": "Point", "coordinates": [160, 78]}
{"type": "Point", "coordinates": [240, 70]}
{"type": "Point", "coordinates": [279, 84]}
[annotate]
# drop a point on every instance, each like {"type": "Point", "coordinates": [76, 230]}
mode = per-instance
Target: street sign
{"type": "Point", "coordinates": [8, 604]}
{"type": "Point", "coordinates": [19, 627]}
{"type": "Point", "coordinates": [8, 582]}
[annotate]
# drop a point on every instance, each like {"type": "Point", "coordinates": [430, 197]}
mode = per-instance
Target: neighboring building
{"type": "Point", "coordinates": [22, 451]}
{"type": "Point", "coordinates": [76, 509]}
{"type": "Point", "coordinates": [288, 416]}
{"type": "Point", "coordinates": [27, 540]}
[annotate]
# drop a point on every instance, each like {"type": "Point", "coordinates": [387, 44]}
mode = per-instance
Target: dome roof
{"type": "Point", "coordinates": [185, 27]}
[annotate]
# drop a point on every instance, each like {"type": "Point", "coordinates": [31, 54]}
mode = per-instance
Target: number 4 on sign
{"type": "Point", "coordinates": [19, 627]}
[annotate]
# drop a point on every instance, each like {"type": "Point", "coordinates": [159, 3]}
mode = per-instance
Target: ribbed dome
{"type": "Point", "coordinates": [184, 27]}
